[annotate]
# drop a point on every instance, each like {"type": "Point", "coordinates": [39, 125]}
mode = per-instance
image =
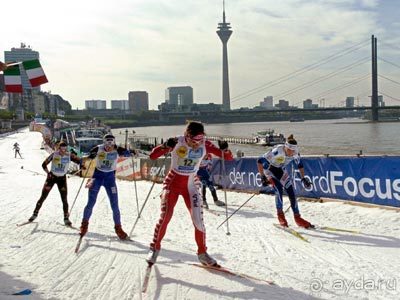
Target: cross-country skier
{"type": "Point", "coordinates": [272, 168]}
{"type": "Point", "coordinates": [106, 156]}
{"type": "Point", "coordinates": [204, 175]}
{"type": "Point", "coordinates": [187, 151]}
{"type": "Point", "coordinates": [60, 160]}
{"type": "Point", "coordinates": [16, 150]}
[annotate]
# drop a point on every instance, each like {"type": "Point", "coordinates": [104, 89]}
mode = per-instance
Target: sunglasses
{"type": "Point", "coordinates": [197, 139]}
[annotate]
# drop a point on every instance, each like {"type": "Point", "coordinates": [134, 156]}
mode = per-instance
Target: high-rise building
{"type": "Point", "coordinates": [23, 53]}
{"type": "Point", "coordinates": [95, 104]}
{"type": "Point", "coordinates": [282, 104]}
{"type": "Point", "coordinates": [307, 104]}
{"type": "Point", "coordinates": [120, 104]}
{"type": "Point", "coordinates": [349, 101]}
{"type": "Point", "coordinates": [179, 95]}
{"type": "Point", "coordinates": [138, 101]}
{"type": "Point", "coordinates": [224, 32]}
{"type": "Point", "coordinates": [268, 102]}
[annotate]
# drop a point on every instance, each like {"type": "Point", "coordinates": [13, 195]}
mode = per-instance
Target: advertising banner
{"type": "Point", "coordinates": [373, 180]}
{"type": "Point", "coordinates": [126, 166]}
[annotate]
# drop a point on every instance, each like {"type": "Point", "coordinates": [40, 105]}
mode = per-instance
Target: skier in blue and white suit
{"type": "Point", "coordinates": [106, 156]}
{"type": "Point", "coordinates": [272, 167]}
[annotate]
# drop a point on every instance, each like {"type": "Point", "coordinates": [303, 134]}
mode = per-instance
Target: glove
{"type": "Point", "coordinates": [265, 181]}
{"type": "Point", "coordinates": [306, 182]}
{"type": "Point", "coordinates": [223, 145]}
{"type": "Point", "coordinates": [171, 142]}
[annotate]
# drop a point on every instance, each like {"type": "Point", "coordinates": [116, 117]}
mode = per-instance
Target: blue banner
{"type": "Point", "coordinates": [373, 180]}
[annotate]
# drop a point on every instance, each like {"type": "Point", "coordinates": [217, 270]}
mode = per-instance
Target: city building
{"type": "Point", "coordinates": [120, 104]}
{"type": "Point", "coordinates": [179, 96]}
{"type": "Point", "coordinates": [307, 104]}
{"type": "Point", "coordinates": [282, 104]}
{"type": "Point", "coordinates": [95, 104]}
{"type": "Point", "coordinates": [138, 101]}
{"type": "Point", "coordinates": [349, 101]}
{"type": "Point", "coordinates": [268, 102]}
{"type": "Point", "coordinates": [381, 103]}
{"type": "Point", "coordinates": [40, 102]}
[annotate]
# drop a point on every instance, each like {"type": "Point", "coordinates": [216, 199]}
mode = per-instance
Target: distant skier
{"type": "Point", "coordinates": [60, 160]}
{"type": "Point", "coordinates": [272, 167]}
{"type": "Point", "coordinates": [187, 151]}
{"type": "Point", "coordinates": [106, 156]}
{"type": "Point", "coordinates": [204, 175]}
{"type": "Point", "coordinates": [16, 150]}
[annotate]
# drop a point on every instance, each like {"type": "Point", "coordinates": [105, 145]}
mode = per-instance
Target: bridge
{"type": "Point", "coordinates": [313, 84]}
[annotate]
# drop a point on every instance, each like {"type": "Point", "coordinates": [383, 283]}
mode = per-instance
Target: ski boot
{"type": "Point", "coordinates": [205, 204]}
{"type": "Point", "coordinates": [121, 234]}
{"type": "Point", "coordinates": [67, 222]}
{"type": "Point", "coordinates": [281, 218]}
{"type": "Point", "coordinates": [152, 256]}
{"type": "Point", "coordinates": [219, 203]}
{"type": "Point", "coordinates": [301, 222]}
{"type": "Point", "coordinates": [84, 227]}
{"type": "Point", "coordinates": [34, 216]}
{"type": "Point", "coordinates": [207, 260]}
{"type": "Point", "coordinates": [215, 197]}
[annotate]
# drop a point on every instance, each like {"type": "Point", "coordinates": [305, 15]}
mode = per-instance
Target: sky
{"type": "Point", "coordinates": [102, 49]}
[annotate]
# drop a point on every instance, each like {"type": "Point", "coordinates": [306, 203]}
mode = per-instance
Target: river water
{"type": "Point", "coordinates": [317, 137]}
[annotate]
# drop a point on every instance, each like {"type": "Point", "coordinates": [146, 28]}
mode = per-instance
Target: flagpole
{"type": "Point", "coordinates": [13, 64]}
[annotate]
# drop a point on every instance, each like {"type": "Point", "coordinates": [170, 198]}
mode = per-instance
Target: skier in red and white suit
{"type": "Point", "coordinates": [186, 154]}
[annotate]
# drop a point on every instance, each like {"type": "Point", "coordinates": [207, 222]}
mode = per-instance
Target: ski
{"type": "Point", "coordinates": [232, 273]}
{"type": "Point", "coordinates": [146, 277]}
{"type": "Point", "coordinates": [292, 232]}
{"type": "Point", "coordinates": [69, 226]}
{"type": "Point", "coordinates": [327, 228]}
{"type": "Point", "coordinates": [78, 245]}
{"type": "Point", "coordinates": [214, 212]}
{"type": "Point", "coordinates": [25, 223]}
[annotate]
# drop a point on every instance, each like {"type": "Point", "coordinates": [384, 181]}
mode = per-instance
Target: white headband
{"type": "Point", "coordinates": [291, 146]}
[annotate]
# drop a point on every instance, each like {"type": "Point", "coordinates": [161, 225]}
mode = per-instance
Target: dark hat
{"type": "Point", "coordinates": [108, 136]}
{"type": "Point", "coordinates": [194, 128]}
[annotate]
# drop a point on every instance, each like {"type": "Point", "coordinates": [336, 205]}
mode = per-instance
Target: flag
{"type": "Point", "coordinates": [12, 79]}
{"type": "Point", "coordinates": [35, 72]}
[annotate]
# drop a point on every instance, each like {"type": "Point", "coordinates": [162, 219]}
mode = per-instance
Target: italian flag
{"type": "Point", "coordinates": [35, 72]}
{"type": "Point", "coordinates": [12, 79]}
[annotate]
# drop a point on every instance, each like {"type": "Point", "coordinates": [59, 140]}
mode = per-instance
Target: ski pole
{"type": "Point", "coordinates": [148, 195]}
{"type": "Point", "coordinates": [226, 220]}
{"type": "Point", "coordinates": [224, 188]}
{"type": "Point", "coordinates": [34, 172]}
{"type": "Point", "coordinates": [158, 195]}
{"type": "Point", "coordinates": [134, 180]}
{"type": "Point", "coordinates": [83, 179]}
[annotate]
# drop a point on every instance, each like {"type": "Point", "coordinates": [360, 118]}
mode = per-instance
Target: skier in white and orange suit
{"type": "Point", "coordinates": [187, 151]}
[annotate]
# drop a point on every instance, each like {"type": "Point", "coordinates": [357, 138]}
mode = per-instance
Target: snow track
{"type": "Point", "coordinates": [40, 256]}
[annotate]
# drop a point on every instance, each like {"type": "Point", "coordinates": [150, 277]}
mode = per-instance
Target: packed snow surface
{"type": "Point", "coordinates": [40, 256]}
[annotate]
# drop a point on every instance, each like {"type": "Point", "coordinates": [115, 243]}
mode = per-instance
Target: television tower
{"type": "Point", "coordinates": [224, 32]}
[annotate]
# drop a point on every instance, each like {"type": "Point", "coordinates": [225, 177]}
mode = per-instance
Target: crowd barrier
{"type": "Point", "coordinates": [372, 179]}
